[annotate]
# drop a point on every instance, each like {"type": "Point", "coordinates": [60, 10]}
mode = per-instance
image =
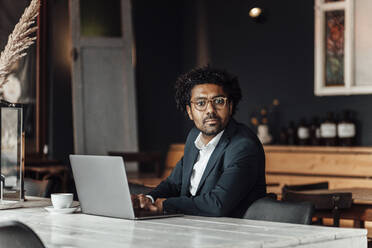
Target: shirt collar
{"type": "Point", "coordinates": [200, 145]}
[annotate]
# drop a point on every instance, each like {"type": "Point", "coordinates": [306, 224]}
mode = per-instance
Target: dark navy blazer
{"type": "Point", "coordinates": [233, 179]}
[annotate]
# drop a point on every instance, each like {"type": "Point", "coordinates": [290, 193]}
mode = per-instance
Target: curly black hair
{"type": "Point", "coordinates": [206, 75]}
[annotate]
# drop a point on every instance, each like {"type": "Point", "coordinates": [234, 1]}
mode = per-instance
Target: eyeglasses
{"type": "Point", "coordinates": [217, 102]}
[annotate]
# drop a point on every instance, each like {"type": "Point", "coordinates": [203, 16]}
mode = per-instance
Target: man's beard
{"type": "Point", "coordinates": [218, 125]}
{"type": "Point", "coordinates": [211, 133]}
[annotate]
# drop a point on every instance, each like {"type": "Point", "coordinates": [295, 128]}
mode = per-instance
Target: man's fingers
{"type": "Point", "coordinates": [153, 208]}
{"type": "Point", "coordinates": [142, 200]}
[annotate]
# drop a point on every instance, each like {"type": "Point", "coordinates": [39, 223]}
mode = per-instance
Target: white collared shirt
{"type": "Point", "coordinates": [205, 152]}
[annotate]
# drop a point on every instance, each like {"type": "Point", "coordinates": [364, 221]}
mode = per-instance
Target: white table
{"type": "Point", "coordinates": [80, 230]}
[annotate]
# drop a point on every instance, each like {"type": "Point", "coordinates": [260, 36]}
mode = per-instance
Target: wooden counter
{"type": "Point", "coordinates": [342, 167]}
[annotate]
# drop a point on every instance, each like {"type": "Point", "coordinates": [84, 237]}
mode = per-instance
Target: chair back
{"type": "Point", "coordinates": [14, 234]}
{"type": "Point", "coordinates": [35, 187]}
{"type": "Point", "coordinates": [42, 188]}
{"type": "Point", "coordinates": [303, 187]}
{"type": "Point", "coordinates": [322, 201]}
{"type": "Point", "coordinates": [270, 209]}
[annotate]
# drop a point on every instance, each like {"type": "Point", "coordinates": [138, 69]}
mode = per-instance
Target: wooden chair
{"type": "Point", "coordinates": [310, 186]}
{"type": "Point", "coordinates": [42, 188]}
{"type": "Point", "coordinates": [270, 209]}
{"type": "Point", "coordinates": [333, 202]}
{"type": "Point", "coordinates": [14, 234]}
{"type": "Point", "coordinates": [35, 187]}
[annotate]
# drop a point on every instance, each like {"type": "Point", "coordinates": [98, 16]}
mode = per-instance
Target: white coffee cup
{"type": "Point", "coordinates": [61, 200]}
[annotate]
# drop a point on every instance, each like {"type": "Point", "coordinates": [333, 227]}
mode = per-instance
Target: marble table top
{"type": "Point", "coordinates": [81, 230]}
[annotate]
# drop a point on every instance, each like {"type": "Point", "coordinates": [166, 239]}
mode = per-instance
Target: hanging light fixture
{"type": "Point", "coordinates": [255, 12]}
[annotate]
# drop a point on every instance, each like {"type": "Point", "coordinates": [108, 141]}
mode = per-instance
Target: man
{"type": "Point", "coordinates": [222, 171]}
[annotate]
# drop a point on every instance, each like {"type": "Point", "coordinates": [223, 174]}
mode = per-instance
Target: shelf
{"type": "Point", "coordinates": [319, 149]}
{"type": "Point", "coordinates": [341, 167]}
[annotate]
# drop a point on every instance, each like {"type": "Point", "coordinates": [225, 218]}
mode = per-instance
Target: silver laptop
{"type": "Point", "coordinates": [102, 187]}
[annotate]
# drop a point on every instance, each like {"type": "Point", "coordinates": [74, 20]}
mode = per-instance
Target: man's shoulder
{"type": "Point", "coordinates": [241, 136]}
{"type": "Point", "coordinates": [237, 130]}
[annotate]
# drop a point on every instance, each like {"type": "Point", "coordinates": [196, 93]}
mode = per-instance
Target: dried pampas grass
{"type": "Point", "coordinates": [19, 40]}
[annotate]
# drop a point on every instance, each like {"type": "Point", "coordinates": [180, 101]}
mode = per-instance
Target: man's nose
{"type": "Point", "coordinates": [210, 107]}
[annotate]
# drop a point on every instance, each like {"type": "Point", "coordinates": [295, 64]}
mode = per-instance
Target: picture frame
{"type": "Point", "coordinates": [338, 53]}
{"type": "Point", "coordinates": [333, 46]}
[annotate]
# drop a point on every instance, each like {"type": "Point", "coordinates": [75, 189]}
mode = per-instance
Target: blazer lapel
{"type": "Point", "coordinates": [191, 154]}
{"type": "Point", "coordinates": [217, 153]}
{"type": "Point", "coordinates": [188, 165]}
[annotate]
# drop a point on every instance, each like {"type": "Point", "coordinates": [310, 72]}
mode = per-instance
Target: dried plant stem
{"type": "Point", "coordinates": [19, 40]}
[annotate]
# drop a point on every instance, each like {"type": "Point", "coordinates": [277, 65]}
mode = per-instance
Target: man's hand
{"type": "Point", "coordinates": [159, 204]}
{"type": "Point", "coordinates": [142, 202]}
{"type": "Point", "coordinates": [145, 202]}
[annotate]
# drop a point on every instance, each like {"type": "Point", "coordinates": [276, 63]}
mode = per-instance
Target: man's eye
{"type": "Point", "coordinates": [219, 101]}
{"type": "Point", "coordinates": [200, 103]}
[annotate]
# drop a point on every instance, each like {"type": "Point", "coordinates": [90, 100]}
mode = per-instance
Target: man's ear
{"type": "Point", "coordinates": [230, 108]}
{"type": "Point", "coordinates": [188, 109]}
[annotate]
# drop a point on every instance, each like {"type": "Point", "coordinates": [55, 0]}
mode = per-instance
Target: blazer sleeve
{"type": "Point", "coordinates": [239, 175]}
{"type": "Point", "coordinates": [170, 187]}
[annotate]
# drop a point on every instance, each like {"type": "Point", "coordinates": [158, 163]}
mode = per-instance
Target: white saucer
{"type": "Point", "coordinates": [53, 210]}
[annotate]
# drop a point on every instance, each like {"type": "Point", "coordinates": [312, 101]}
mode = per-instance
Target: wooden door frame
{"type": "Point", "coordinates": [41, 115]}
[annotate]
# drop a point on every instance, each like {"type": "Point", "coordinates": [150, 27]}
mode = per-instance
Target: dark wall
{"type": "Point", "coordinates": [59, 81]}
{"type": "Point", "coordinates": [275, 59]}
{"type": "Point", "coordinates": [158, 30]}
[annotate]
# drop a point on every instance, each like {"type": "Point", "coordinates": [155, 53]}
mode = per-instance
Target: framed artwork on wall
{"type": "Point", "coordinates": [336, 43]}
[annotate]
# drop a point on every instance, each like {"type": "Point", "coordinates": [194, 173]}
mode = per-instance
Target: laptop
{"type": "Point", "coordinates": [102, 186]}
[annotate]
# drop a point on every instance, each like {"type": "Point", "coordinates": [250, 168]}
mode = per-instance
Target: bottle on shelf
{"type": "Point", "coordinates": [263, 130]}
{"type": "Point", "coordinates": [263, 134]}
{"type": "Point", "coordinates": [303, 134]}
{"type": "Point", "coordinates": [328, 130]}
{"type": "Point", "coordinates": [346, 130]}
{"type": "Point", "coordinates": [291, 134]}
{"type": "Point", "coordinates": [314, 130]}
